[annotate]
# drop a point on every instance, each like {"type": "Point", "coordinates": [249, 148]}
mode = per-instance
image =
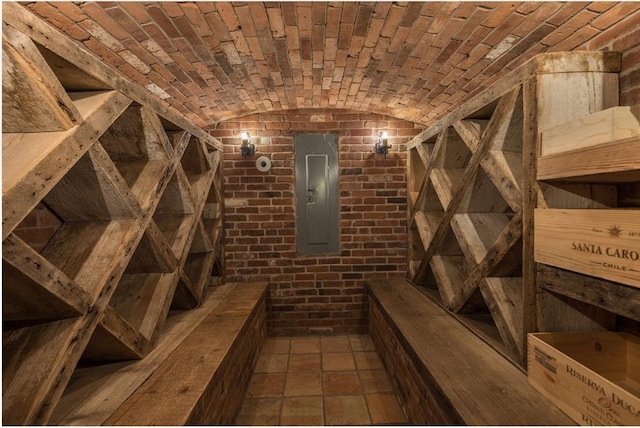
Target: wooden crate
{"type": "Point", "coordinates": [593, 377]}
{"type": "Point", "coordinates": [612, 124]}
{"type": "Point", "coordinates": [601, 243]}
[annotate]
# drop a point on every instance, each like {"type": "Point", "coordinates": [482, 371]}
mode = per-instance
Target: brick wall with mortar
{"type": "Point", "coordinates": [415, 60]}
{"type": "Point", "coordinates": [325, 293]}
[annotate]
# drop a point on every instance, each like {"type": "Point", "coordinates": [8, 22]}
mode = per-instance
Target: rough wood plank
{"type": "Point", "coordinates": [576, 195]}
{"type": "Point", "coordinates": [33, 163]}
{"type": "Point", "coordinates": [470, 130]}
{"type": "Point", "coordinates": [87, 251]}
{"type": "Point", "coordinates": [446, 183]}
{"type": "Point", "coordinates": [451, 355]}
{"type": "Point", "coordinates": [32, 98]}
{"type": "Point", "coordinates": [194, 363]}
{"type": "Point", "coordinates": [70, 76]}
{"type": "Point", "coordinates": [47, 36]}
{"type": "Point", "coordinates": [477, 233]}
{"type": "Point", "coordinates": [115, 340]}
{"type": "Point", "coordinates": [33, 288]}
{"type": "Point", "coordinates": [497, 122]}
{"type": "Point", "coordinates": [505, 171]}
{"type": "Point", "coordinates": [31, 360]}
{"type": "Point", "coordinates": [95, 393]}
{"type": "Point", "coordinates": [427, 224]}
{"type": "Point", "coordinates": [611, 162]}
{"type": "Point", "coordinates": [530, 192]}
{"type": "Point", "coordinates": [453, 152]}
{"type": "Point", "coordinates": [503, 295]}
{"type": "Point", "coordinates": [481, 195]}
{"type": "Point", "coordinates": [501, 247]}
{"type": "Point", "coordinates": [153, 253]}
{"type": "Point", "coordinates": [590, 92]}
{"type": "Point", "coordinates": [92, 190]}
{"type": "Point", "coordinates": [450, 273]}
{"type": "Point", "coordinates": [605, 126]}
{"type": "Point", "coordinates": [424, 187]}
{"type": "Point", "coordinates": [185, 297]}
{"type": "Point", "coordinates": [580, 61]}
{"type": "Point", "coordinates": [614, 297]}
{"type": "Point", "coordinates": [139, 300]}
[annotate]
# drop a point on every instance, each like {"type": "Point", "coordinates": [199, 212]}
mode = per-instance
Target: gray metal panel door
{"type": "Point", "coordinates": [317, 214]}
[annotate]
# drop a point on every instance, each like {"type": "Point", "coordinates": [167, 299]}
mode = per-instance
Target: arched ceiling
{"type": "Point", "coordinates": [413, 60]}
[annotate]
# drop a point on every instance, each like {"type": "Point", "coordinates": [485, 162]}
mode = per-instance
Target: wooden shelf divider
{"type": "Point", "coordinates": [136, 193]}
{"type": "Point", "coordinates": [481, 168]}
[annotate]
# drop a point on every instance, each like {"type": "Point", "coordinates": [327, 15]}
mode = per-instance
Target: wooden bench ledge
{"type": "Point", "coordinates": [174, 384]}
{"type": "Point", "coordinates": [483, 388]}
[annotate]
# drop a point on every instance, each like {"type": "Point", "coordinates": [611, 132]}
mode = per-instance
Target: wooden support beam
{"type": "Point", "coordinates": [33, 100]}
{"type": "Point", "coordinates": [612, 296]}
{"type": "Point", "coordinates": [502, 245]}
{"type": "Point", "coordinates": [33, 163]}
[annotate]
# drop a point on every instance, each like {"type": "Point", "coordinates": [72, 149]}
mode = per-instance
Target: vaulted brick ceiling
{"type": "Point", "coordinates": [412, 60]}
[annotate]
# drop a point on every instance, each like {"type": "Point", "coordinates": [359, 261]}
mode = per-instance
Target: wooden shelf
{"type": "Point", "coordinates": [32, 357]}
{"type": "Point", "coordinates": [196, 165]}
{"type": "Point", "coordinates": [139, 147]}
{"type": "Point", "coordinates": [115, 340]}
{"type": "Point", "coordinates": [480, 184]}
{"type": "Point", "coordinates": [34, 289]}
{"type": "Point", "coordinates": [611, 162]}
{"type": "Point", "coordinates": [609, 295]}
{"type": "Point", "coordinates": [427, 224]}
{"type": "Point", "coordinates": [125, 180]}
{"type": "Point", "coordinates": [33, 163]}
{"type": "Point", "coordinates": [33, 100]}
{"type": "Point", "coordinates": [446, 182]}
{"type": "Point", "coordinates": [450, 273]}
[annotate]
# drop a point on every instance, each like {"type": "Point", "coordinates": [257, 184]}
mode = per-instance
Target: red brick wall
{"type": "Point", "coordinates": [315, 294]}
{"type": "Point", "coordinates": [623, 37]}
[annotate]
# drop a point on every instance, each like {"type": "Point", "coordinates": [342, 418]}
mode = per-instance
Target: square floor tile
{"type": "Point", "coordinates": [302, 411]}
{"type": "Point", "coordinates": [338, 361]}
{"type": "Point", "coordinates": [341, 383]}
{"type": "Point", "coordinates": [259, 411]}
{"type": "Point", "coordinates": [385, 409]}
{"type": "Point", "coordinates": [346, 410]}
{"type": "Point", "coordinates": [335, 344]}
{"type": "Point", "coordinates": [368, 361]}
{"type": "Point", "coordinates": [272, 363]}
{"type": "Point", "coordinates": [276, 345]}
{"type": "Point", "coordinates": [304, 363]}
{"type": "Point", "coordinates": [361, 343]}
{"type": "Point", "coordinates": [266, 385]}
{"type": "Point", "coordinates": [302, 384]}
{"type": "Point", "coordinates": [375, 381]}
{"type": "Point", "coordinates": [305, 345]}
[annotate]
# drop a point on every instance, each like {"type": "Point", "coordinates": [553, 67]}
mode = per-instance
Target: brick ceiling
{"type": "Point", "coordinates": [413, 60]}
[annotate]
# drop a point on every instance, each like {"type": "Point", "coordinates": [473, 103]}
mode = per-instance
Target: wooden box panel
{"type": "Point", "coordinates": [593, 377]}
{"type": "Point", "coordinates": [611, 124]}
{"type": "Point", "coordinates": [601, 243]}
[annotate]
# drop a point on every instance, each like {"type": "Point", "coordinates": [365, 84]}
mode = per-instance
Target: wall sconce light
{"type": "Point", "coordinates": [247, 148]}
{"type": "Point", "coordinates": [382, 146]}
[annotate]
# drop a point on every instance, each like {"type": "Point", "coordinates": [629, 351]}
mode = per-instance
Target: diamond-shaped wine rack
{"type": "Point", "coordinates": [135, 207]}
{"type": "Point", "coordinates": [473, 192]}
{"type": "Point", "coordinates": [466, 219]}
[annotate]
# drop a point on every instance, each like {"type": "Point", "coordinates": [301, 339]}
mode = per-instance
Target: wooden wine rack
{"type": "Point", "coordinates": [136, 192]}
{"type": "Point", "coordinates": [472, 193]}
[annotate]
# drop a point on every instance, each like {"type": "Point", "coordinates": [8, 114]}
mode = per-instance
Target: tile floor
{"type": "Point", "coordinates": [328, 380]}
